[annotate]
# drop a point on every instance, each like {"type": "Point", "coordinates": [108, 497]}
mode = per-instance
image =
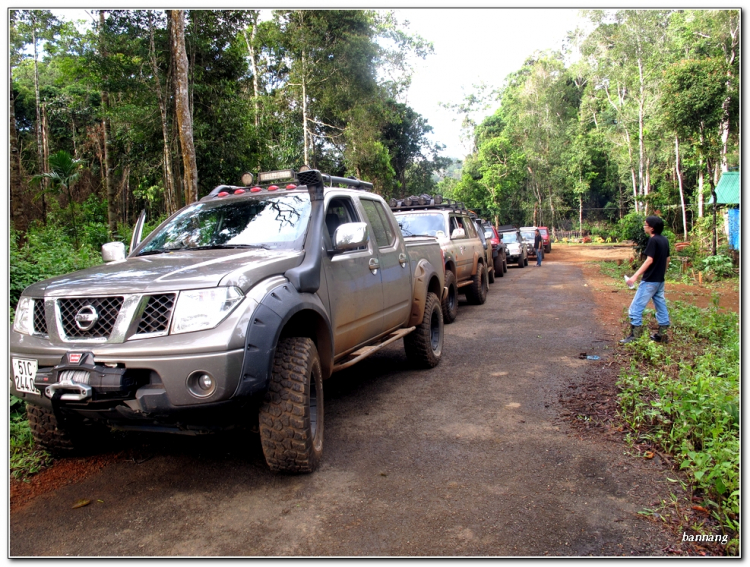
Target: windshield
{"type": "Point", "coordinates": [509, 237]}
{"type": "Point", "coordinates": [421, 224]}
{"type": "Point", "coordinates": [488, 233]}
{"type": "Point", "coordinates": [277, 222]}
{"type": "Point", "coordinates": [528, 234]}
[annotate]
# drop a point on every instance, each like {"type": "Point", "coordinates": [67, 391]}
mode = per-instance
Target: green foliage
{"type": "Point", "coordinates": [690, 407]}
{"type": "Point", "coordinates": [631, 228]}
{"type": "Point", "coordinates": [718, 266]}
{"type": "Point", "coordinates": [25, 458]}
{"type": "Point", "coordinates": [47, 252]}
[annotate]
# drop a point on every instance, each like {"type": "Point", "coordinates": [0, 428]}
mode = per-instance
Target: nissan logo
{"type": "Point", "coordinates": [86, 317]}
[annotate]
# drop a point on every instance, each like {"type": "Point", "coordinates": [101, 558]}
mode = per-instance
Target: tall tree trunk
{"type": "Point", "coordinates": [254, 66]}
{"type": "Point", "coordinates": [700, 188]}
{"type": "Point", "coordinates": [724, 127]}
{"type": "Point", "coordinates": [641, 188]}
{"type": "Point", "coordinates": [16, 191]}
{"type": "Point", "coordinates": [39, 145]}
{"type": "Point", "coordinates": [169, 197]}
{"type": "Point", "coordinates": [182, 103]}
{"type": "Point", "coordinates": [305, 127]}
{"type": "Point", "coordinates": [45, 137]}
{"type": "Point", "coordinates": [678, 172]}
{"type": "Point", "coordinates": [108, 152]}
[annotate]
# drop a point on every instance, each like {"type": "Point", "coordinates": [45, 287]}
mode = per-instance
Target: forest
{"type": "Point", "coordinates": [149, 109]}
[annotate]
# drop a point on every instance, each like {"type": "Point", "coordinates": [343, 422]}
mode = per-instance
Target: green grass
{"type": "Point", "coordinates": [25, 458]}
{"type": "Point", "coordinates": [684, 398]}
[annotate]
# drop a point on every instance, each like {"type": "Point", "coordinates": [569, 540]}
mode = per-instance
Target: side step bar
{"type": "Point", "coordinates": [366, 351]}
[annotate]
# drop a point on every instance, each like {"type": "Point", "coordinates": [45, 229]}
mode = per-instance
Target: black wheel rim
{"type": "Point", "coordinates": [435, 331]}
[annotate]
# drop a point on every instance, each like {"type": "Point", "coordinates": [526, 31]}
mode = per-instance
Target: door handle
{"type": "Point", "coordinates": [374, 265]}
{"type": "Point", "coordinates": [402, 259]}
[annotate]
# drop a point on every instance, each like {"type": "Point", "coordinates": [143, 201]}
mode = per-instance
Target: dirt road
{"type": "Point", "coordinates": [468, 459]}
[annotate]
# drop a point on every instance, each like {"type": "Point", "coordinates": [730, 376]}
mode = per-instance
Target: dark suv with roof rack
{"type": "Point", "coordinates": [466, 262]}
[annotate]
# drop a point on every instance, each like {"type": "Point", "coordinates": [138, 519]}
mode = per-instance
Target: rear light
{"type": "Point", "coordinates": [442, 255]}
{"type": "Point", "coordinates": [256, 190]}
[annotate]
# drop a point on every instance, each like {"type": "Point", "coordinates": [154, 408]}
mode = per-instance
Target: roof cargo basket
{"type": "Point", "coordinates": [425, 201]}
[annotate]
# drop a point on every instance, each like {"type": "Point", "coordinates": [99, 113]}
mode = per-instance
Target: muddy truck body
{"type": "Point", "coordinates": [231, 312]}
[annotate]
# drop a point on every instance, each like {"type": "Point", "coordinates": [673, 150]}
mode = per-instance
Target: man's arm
{"type": "Point", "coordinates": [649, 260]}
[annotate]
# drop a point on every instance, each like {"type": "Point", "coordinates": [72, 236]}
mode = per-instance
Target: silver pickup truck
{"type": "Point", "coordinates": [466, 264]}
{"type": "Point", "coordinates": [235, 309]}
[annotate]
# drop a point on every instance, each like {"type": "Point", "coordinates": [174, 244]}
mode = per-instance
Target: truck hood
{"type": "Point", "coordinates": [174, 271]}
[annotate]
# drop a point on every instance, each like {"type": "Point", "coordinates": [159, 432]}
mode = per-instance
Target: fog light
{"type": "Point", "coordinates": [201, 384]}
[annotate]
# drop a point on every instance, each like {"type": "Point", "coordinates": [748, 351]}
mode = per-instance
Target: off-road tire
{"type": "Point", "coordinates": [505, 266]}
{"type": "Point", "coordinates": [526, 261]}
{"type": "Point", "coordinates": [491, 275]}
{"type": "Point", "coordinates": [521, 262]}
{"type": "Point", "coordinates": [476, 291]}
{"type": "Point", "coordinates": [499, 272]}
{"type": "Point", "coordinates": [548, 248]}
{"type": "Point", "coordinates": [450, 303]}
{"type": "Point", "coordinates": [291, 416]}
{"type": "Point", "coordinates": [73, 438]}
{"type": "Point", "coordinates": [424, 345]}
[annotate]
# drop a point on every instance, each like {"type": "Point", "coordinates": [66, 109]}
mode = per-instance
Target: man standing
{"type": "Point", "coordinates": [539, 247]}
{"type": "Point", "coordinates": [652, 284]}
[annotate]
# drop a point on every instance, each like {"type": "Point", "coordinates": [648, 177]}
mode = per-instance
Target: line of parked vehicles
{"type": "Point", "coordinates": [237, 307]}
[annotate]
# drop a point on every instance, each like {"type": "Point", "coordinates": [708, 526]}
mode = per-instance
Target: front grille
{"type": "Point", "coordinates": [106, 308]}
{"type": "Point", "coordinates": [156, 316]}
{"type": "Point", "coordinates": [40, 322]}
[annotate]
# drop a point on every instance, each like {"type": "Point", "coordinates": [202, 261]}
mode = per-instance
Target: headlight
{"type": "Point", "coordinates": [24, 322]}
{"type": "Point", "coordinates": [201, 309]}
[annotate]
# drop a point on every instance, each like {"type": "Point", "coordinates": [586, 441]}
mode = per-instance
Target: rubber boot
{"type": "Point", "coordinates": [635, 334]}
{"type": "Point", "coordinates": [660, 336]}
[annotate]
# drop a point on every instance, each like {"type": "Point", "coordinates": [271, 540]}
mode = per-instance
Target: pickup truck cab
{"type": "Point", "coordinates": [233, 310]}
{"type": "Point", "coordinates": [463, 251]}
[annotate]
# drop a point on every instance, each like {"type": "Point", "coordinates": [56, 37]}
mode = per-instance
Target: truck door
{"type": "Point", "coordinates": [394, 264]}
{"type": "Point", "coordinates": [354, 282]}
{"type": "Point", "coordinates": [464, 253]}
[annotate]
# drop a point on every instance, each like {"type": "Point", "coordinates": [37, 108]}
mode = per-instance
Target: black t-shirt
{"type": "Point", "coordinates": [537, 242]}
{"type": "Point", "coordinates": [658, 249]}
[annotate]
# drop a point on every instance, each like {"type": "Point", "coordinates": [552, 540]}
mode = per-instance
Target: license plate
{"type": "Point", "coordinates": [77, 376]}
{"type": "Point", "coordinates": [24, 371]}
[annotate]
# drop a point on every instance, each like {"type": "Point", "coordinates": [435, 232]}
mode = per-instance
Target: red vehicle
{"type": "Point", "coordinates": [545, 238]}
{"type": "Point", "coordinates": [498, 250]}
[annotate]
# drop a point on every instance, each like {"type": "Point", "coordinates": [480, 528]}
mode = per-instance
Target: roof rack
{"type": "Point", "coordinates": [294, 180]}
{"type": "Point", "coordinates": [425, 201]}
{"type": "Point", "coordinates": [506, 228]}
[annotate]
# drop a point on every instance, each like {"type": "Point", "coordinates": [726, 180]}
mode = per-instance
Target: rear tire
{"type": "Point", "coordinates": [291, 416]}
{"type": "Point", "coordinates": [476, 292]}
{"type": "Point", "coordinates": [526, 261]}
{"type": "Point", "coordinates": [72, 438]}
{"type": "Point", "coordinates": [450, 304]}
{"type": "Point", "coordinates": [505, 266]}
{"type": "Point", "coordinates": [491, 275]}
{"type": "Point", "coordinates": [424, 345]}
{"type": "Point", "coordinates": [548, 248]}
{"type": "Point", "coordinates": [521, 262]}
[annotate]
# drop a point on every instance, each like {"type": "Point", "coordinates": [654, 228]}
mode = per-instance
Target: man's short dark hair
{"type": "Point", "coordinates": [656, 223]}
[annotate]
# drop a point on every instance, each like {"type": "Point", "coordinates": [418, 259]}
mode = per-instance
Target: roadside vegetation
{"type": "Point", "coordinates": [682, 398]}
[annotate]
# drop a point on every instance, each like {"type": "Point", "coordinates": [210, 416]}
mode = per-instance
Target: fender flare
{"type": "Point", "coordinates": [268, 321]}
{"type": "Point", "coordinates": [424, 275]}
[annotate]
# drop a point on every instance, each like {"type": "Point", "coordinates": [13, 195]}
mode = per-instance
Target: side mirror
{"type": "Point", "coordinates": [113, 252]}
{"type": "Point", "coordinates": [350, 236]}
{"type": "Point", "coordinates": [458, 233]}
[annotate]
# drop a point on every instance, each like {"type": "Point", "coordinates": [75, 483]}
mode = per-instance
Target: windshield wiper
{"type": "Point", "coordinates": [155, 251]}
{"type": "Point", "coordinates": [221, 246]}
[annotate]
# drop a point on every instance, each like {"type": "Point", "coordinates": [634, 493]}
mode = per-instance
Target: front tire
{"type": "Point", "coordinates": [68, 439]}
{"type": "Point", "coordinates": [476, 292]}
{"type": "Point", "coordinates": [491, 275]}
{"type": "Point", "coordinates": [521, 262]}
{"type": "Point", "coordinates": [424, 345]}
{"type": "Point", "coordinates": [450, 304]}
{"type": "Point", "coordinates": [291, 416]}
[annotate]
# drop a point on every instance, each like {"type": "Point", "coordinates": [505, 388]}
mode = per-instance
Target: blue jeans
{"type": "Point", "coordinates": [655, 292]}
{"type": "Point", "coordinates": [539, 256]}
